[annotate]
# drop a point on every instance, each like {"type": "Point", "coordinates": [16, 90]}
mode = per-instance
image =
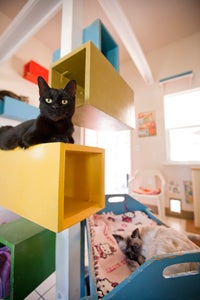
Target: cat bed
{"type": "Point", "coordinates": [109, 275]}
{"type": "Point", "coordinates": [110, 264]}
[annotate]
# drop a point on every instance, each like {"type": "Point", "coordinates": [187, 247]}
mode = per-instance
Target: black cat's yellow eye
{"type": "Point", "coordinates": [64, 101]}
{"type": "Point", "coordinates": [48, 100]}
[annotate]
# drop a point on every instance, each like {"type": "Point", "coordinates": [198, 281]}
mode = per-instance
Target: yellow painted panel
{"type": "Point", "coordinates": [29, 183]}
{"type": "Point", "coordinates": [54, 185]}
{"type": "Point", "coordinates": [104, 100]}
{"type": "Point", "coordinates": [108, 90]}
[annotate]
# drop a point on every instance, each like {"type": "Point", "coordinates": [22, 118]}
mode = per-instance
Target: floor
{"type": "Point", "coordinates": [47, 290]}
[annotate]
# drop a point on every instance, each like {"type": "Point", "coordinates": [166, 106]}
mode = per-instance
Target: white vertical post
{"type": "Point", "coordinates": [62, 265]}
{"type": "Point", "coordinates": [71, 32]}
{"type": "Point", "coordinates": [68, 264]}
{"type": "Point", "coordinates": [68, 241]}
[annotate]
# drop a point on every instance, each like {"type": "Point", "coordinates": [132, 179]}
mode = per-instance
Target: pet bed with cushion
{"type": "Point", "coordinates": [109, 274]}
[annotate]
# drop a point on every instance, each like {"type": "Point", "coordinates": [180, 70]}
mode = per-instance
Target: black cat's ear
{"type": "Point", "coordinates": [43, 86]}
{"type": "Point", "coordinates": [118, 237]}
{"type": "Point", "coordinates": [135, 233]}
{"type": "Point", "coordinates": [71, 88]}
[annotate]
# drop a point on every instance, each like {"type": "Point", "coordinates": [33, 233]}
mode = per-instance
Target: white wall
{"type": "Point", "coordinates": [150, 152]}
{"type": "Point", "coordinates": [11, 71]}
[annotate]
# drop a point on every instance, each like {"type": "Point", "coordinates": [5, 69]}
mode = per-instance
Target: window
{"type": "Point", "coordinates": [117, 157]}
{"type": "Point", "coordinates": [182, 124]}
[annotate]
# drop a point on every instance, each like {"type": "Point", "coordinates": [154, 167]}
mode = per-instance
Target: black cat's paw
{"type": "Point", "coordinates": [24, 144]}
{"type": "Point", "coordinates": [5, 147]}
{"type": "Point", "coordinates": [57, 139]}
{"type": "Point", "coordinates": [71, 140]}
{"type": "Point", "coordinates": [63, 139]}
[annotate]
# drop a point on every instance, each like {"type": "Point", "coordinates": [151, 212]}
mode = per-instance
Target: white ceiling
{"type": "Point", "coordinates": [155, 23]}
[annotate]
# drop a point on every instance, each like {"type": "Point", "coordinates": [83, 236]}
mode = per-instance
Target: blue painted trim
{"type": "Point", "coordinates": [176, 76]}
{"type": "Point", "coordinates": [13, 109]}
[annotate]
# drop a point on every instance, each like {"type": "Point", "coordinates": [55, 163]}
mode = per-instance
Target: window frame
{"type": "Point", "coordinates": [168, 130]}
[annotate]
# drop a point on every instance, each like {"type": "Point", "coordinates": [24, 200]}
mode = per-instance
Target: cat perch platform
{"type": "Point", "coordinates": [54, 185]}
{"type": "Point", "coordinates": [103, 99]}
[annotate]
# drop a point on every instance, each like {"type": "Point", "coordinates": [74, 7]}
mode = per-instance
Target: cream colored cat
{"type": "Point", "coordinates": [158, 240]}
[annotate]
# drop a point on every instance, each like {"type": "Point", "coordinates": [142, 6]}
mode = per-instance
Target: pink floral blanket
{"type": "Point", "coordinates": [109, 262]}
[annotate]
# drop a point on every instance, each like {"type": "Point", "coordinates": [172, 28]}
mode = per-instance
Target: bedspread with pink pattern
{"type": "Point", "coordinates": [109, 262]}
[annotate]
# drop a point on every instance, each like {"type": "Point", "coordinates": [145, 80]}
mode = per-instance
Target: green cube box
{"type": "Point", "coordinates": [32, 255]}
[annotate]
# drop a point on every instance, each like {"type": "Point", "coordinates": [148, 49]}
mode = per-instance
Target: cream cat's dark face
{"type": "Point", "coordinates": [131, 246]}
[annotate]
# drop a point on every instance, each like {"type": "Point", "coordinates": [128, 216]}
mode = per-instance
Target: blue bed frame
{"type": "Point", "coordinates": [147, 282]}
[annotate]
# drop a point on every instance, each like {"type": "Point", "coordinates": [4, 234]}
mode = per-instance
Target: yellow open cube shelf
{"type": "Point", "coordinates": [104, 100]}
{"type": "Point", "coordinates": [54, 185]}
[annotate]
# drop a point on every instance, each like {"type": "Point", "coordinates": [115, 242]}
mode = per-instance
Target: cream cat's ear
{"type": "Point", "coordinates": [71, 88]}
{"type": "Point", "coordinates": [135, 233]}
{"type": "Point", "coordinates": [43, 86]}
{"type": "Point", "coordinates": [118, 237]}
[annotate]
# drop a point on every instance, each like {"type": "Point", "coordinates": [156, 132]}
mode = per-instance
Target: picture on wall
{"type": "Point", "coordinates": [174, 187]}
{"type": "Point", "coordinates": [146, 124]}
{"type": "Point", "coordinates": [188, 191]}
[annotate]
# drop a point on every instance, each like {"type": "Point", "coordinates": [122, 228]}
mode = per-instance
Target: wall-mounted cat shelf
{"type": "Point", "coordinates": [32, 70]}
{"type": "Point", "coordinates": [104, 100]}
{"type": "Point", "coordinates": [17, 110]}
{"type": "Point", "coordinates": [54, 185]}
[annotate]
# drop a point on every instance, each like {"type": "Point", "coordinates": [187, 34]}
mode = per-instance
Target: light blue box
{"type": "Point", "coordinates": [56, 55]}
{"type": "Point", "coordinates": [17, 110]}
{"type": "Point", "coordinates": [101, 38]}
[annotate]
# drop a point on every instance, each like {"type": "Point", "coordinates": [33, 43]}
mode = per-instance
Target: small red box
{"type": "Point", "coordinates": [32, 70]}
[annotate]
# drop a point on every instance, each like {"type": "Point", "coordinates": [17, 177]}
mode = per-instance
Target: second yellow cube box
{"type": "Point", "coordinates": [54, 185]}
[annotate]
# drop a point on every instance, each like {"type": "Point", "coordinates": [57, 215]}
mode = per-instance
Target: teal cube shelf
{"type": "Point", "coordinates": [17, 110]}
{"type": "Point", "coordinates": [101, 38]}
{"type": "Point", "coordinates": [32, 255]}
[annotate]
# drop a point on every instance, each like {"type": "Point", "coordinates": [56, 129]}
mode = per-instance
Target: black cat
{"type": "Point", "coordinates": [54, 123]}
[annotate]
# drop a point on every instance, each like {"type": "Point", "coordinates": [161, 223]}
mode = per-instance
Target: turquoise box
{"type": "Point", "coordinates": [99, 35]}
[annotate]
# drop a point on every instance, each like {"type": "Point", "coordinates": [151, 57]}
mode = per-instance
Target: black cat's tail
{"type": "Point", "coordinates": [5, 128]}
